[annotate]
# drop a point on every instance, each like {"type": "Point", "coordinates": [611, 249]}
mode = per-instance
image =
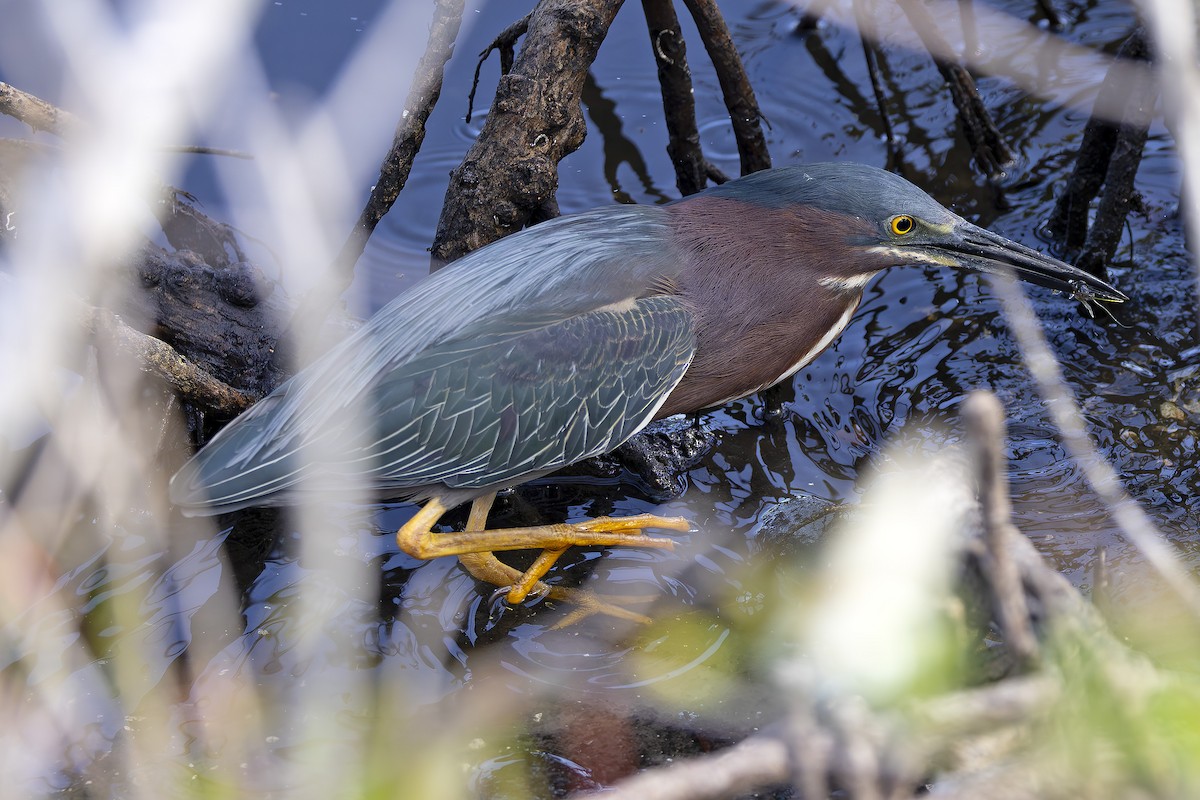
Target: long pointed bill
{"type": "Point", "coordinates": [982, 250]}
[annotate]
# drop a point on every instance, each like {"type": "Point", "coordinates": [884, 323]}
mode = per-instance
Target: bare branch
{"type": "Point", "coordinates": [393, 173]}
{"type": "Point", "coordinates": [679, 105]}
{"type": "Point", "coordinates": [410, 133]}
{"type": "Point", "coordinates": [984, 418]}
{"type": "Point", "coordinates": [158, 358]}
{"type": "Point", "coordinates": [506, 43]}
{"type": "Point", "coordinates": [744, 112]}
{"type": "Point", "coordinates": [35, 112]}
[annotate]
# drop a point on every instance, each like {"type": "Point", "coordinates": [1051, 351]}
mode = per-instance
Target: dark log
{"type": "Point", "coordinates": [214, 315]}
{"type": "Point", "coordinates": [224, 320]}
{"type": "Point", "coordinates": [510, 175]}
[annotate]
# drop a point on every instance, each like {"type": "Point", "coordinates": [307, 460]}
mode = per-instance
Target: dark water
{"type": "Point", "coordinates": [921, 341]}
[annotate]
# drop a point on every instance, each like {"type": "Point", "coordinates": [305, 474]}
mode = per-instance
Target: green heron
{"type": "Point", "coordinates": [561, 341]}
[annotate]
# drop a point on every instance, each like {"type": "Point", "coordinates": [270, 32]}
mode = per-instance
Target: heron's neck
{"type": "Point", "coordinates": [763, 301]}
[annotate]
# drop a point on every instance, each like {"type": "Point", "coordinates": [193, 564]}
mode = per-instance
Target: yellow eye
{"type": "Point", "coordinates": [903, 224]}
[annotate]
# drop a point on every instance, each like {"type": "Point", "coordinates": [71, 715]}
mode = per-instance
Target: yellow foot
{"type": "Point", "coordinates": [630, 528]}
{"type": "Point", "coordinates": [486, 567]}
{"type": "Point", "coordinates": [417, 538]}
{"type": "Point", "coordinates": [532, 577]}
{"type": "Point", "coordinates": [474, 547]}
{"type": "Point", "coordinates": [587, 604]}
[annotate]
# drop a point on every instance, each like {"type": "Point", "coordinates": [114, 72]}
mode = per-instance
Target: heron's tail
{"type": "Point", "coordinates": [235, 470]}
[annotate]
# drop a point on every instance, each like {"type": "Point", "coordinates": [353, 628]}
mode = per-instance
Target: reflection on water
{"type": "Point", "coordinates": [921, 341]}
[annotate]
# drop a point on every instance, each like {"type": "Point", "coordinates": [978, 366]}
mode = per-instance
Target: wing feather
{"type": "Point", "coordinates": [545, 384]}
{"type": "Point", "coordinates": [505, 399]}
{"type": "Point", "coordinates": [521, 357]}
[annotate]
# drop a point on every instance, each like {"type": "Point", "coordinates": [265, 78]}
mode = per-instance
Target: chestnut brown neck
{"type": "Point", "coordinates": [769, 287]}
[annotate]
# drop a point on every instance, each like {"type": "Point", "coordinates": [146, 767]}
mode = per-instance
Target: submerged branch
{"type": "Point", "coordinates": [1109, 156]}
{"type": "Point", "coordinates": [992, 154]}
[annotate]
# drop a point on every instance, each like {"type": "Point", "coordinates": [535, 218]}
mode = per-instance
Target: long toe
{"type": "Point", "coordinates": [486, 567]}
{"type": "Point", "coordinates": [634, 524]}
{"type": "Point", "coordinates": [587, 604]}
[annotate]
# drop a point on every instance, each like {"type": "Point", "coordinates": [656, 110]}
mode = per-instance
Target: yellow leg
{"type": "Point", "coordinates": [417, 539]}
{"type": "Point", "coordinates": [485, 566]}
{"type": "Point", "coordinates": [533, 575]}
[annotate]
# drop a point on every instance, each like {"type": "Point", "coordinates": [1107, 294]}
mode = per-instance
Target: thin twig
{"type": "Point", "coordinates": [410, 132]}
{"type": "Point", "coordinates": [506, 43]}
{"type": "Point", "coordinates": [393, 173]}
{"type": "Point", "coordinates": [679, 105]}
{"type": "Point", "coordinates": [744, 111]}
{"type": "Point", "coordinates": [984, 418]}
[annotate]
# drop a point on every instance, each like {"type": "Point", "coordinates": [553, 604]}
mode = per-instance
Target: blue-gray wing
{"type": "Point", "coordinates": [506, 397]}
